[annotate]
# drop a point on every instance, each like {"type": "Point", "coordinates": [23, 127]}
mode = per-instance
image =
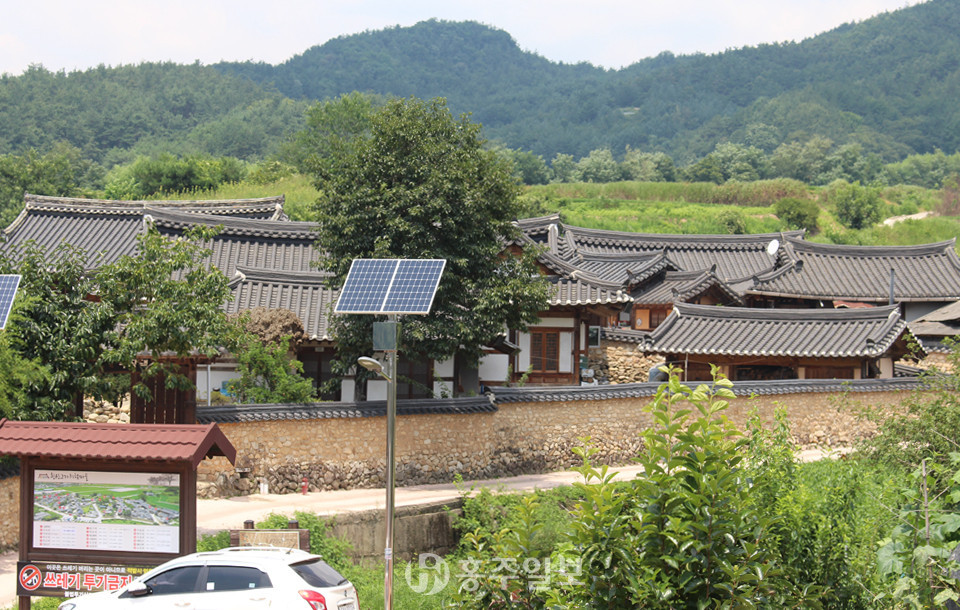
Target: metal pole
{"type": "Point", "coordinates": [391, 467]}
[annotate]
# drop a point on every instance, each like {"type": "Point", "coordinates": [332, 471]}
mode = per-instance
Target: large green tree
{"type": "Point", "coordinates": [133, 314]}
{"type": "Point", "coordinates": [333, 126]}
{"type": "Point", "coordinates": [421, 185]}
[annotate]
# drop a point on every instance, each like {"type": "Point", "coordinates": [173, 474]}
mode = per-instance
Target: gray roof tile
{"type": "Point", "coordinates": [342, 410]}
{"type": "Point", "coordinates": [811, 333]}
{"type": "Point", "coordinates": [581, 292]}
{"type": "Point", "coordinates": [735, 256]}
{"type": "Point", "coordinates": [503, 395]}
{"type": "Point", "coordinates": [682, 286]}
{"type": "Point", "coordinates": [929, 272]}
{"type": "Point", "coordinates": [110, 228]}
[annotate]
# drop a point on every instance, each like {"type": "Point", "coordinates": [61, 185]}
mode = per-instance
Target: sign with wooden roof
{"type": "Point", "coordinates": [111, 494]}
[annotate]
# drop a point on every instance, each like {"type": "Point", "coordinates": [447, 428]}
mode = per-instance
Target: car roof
{"type": "Point", "coordinates": [249, 554]}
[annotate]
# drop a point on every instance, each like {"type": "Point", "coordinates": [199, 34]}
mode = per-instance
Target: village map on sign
{"type": "Point", "coordinates": [91, 510]}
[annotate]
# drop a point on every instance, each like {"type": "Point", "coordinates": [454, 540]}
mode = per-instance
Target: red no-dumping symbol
{"type": "Point", "coordinates": [30, 577]}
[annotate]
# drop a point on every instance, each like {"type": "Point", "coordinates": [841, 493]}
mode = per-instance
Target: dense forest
{"type": "Point", "coordinates": [888, 84]}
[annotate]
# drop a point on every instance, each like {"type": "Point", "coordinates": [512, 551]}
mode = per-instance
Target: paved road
{"type": "Point", "coordinates": [221, 514]}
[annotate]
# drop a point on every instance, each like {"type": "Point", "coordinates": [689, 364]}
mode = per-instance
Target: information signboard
{"type": "Point", "coordinates": [92, 510]}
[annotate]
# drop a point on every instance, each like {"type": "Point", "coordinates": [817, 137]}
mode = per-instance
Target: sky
{"type": "Point", "coordinates": [76, 35]}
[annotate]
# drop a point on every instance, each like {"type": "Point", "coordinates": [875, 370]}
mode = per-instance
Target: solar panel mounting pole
{"type": "Point", "coordinates": [391, 462]}
{"type": "Point", "coordinates": [389, 287]}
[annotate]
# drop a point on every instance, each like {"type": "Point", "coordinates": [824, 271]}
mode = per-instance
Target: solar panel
{"type": "Point", "coordinates": [390, 286]}
{"type": "Point", "coordinates": [8, 290]}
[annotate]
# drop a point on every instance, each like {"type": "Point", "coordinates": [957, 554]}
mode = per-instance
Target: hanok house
{"type": "Point", "coordinates": [921, 278]}
{"type": "Point", "coordinates": [759, 344]}
{"type": "Point", "coordinates": [938, 330]}
{"type": "Point", "coordinates": [658, 270]}
{"type": "Point", "coordinates": [268, 258]}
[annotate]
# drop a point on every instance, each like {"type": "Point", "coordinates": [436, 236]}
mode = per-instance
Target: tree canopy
{"type": "Point", "coordinates": [88, 327]}
{"type": "Point", "coordinates": [886, 84]}
{"type": "Point", "coordinates": [421, 185]}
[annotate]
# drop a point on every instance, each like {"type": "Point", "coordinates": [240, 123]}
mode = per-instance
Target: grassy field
{"type": "Point", "coordinates": [680, 208]}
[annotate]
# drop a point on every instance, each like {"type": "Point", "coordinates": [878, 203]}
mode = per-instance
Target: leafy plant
{"type": "Point", "coordinates": [858, 207]}
{"type": "Point", "coordinates": [699, 538]}
{"type": "Point", "coordinates": [918, 555]}
{"type": "Point", "coordinates": [268, 372]}
{"type": "Point", "coordinates": [333, 550]}
{"type": "Point", "coordinates": [798, 213]}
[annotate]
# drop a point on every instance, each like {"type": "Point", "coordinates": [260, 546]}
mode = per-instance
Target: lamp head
{"type": "Point", "coordinates": [370, 364]}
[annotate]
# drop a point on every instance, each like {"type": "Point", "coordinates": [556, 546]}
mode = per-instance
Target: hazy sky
{"type": "Point", "coordinates": [78, 34]}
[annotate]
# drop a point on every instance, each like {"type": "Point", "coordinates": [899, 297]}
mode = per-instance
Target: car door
{"type": "Point", "coordinates": [235, 587]}
{"type": "Point", "coordinates": [173, 589]}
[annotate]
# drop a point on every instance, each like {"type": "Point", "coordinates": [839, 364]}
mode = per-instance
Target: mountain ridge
{"type": "Point", "coordinates": [887, 84]}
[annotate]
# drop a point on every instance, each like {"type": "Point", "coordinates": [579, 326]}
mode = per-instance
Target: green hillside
{"type": "Point", "coordinates": [888, 84]}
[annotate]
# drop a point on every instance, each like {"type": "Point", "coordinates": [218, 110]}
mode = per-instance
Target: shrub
{"type": "Point", "coordinates": [798, 213]}
{"type": "Point", "coordinates": [732, 222]}
{"type": "Point", "coordinates": [857, 207]}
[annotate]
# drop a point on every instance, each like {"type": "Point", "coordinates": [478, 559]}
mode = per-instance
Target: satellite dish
{"type": "Point", "coordinates": [772, 247]}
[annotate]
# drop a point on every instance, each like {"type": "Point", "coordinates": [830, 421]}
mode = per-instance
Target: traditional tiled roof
{"type": "Point", "coordinates": [271, 259]}
{"type": "Point", "coordinates": [625, 269]}
{"type": "Point", "coordinates": [303, 293]}
{"type": "Point", "coordinates": [267, 244]}
{"type": "Point", "coordinates": [538, 226]}
{"type": "Point", "coordinates": [682, 286]}
{"type": "Point", "coordinates": [812, 333]}
{"type": "Point", "coordinates": [267, 208]}
{"type": "Point", "coordinates": [131, 442]}
{"type": "Point", "coordinates": [929, 272]}
{"type": "Point", "coordinates": [342, 410]}
{"type": "Point", "coordinates": [735, 256]}
{"type": "Point", "coordinates": [581, 292]}
{"type": "Point", "coordinates": [111, 227]}
{"type": "Point", "coordinates": [931, 329]}
{"type": "Point", "coordinates": [947, 313]}
{"type": "Point", "coordinates": [504, 395]}
{"type": "Point", "coordinates": [625, 335]}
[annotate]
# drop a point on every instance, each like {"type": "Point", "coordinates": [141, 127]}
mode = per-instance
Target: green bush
{"type": "Point", "coordinates": [857, 207]}
{"type": "Point", "coordinates": [798, 213]}
{"type": "Point", "coordinates": [917, 558]}
{"type": "Point", "coordinates": [684, 533]}
{"type": "Point", "coordinates": [168, 175]}
{"type": "Point", "coordinates": [732, 222]}
{"type": "Point", "coordinates": [333, 550]}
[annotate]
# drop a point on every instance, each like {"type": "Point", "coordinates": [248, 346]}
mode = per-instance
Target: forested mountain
{"type": "Point", "coordinates": [106, 112]}
{"type": "Point", "coordinates": [889, 83]}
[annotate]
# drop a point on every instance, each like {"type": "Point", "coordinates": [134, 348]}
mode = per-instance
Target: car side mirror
{"type": "Point", "coordinates": [138, 589]}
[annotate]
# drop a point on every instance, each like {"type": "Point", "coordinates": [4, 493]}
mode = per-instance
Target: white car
{"type": "Point", "coordinates": [235, 578]}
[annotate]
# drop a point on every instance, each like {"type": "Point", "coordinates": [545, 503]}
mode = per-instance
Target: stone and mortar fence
{"type": "Point", "coordinates": [528, 432]}
{"type": "Point", "coordinates": [618, 362]}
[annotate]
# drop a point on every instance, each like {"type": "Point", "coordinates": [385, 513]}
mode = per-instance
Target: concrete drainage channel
{"type": "Point", "coordinates": [423, 528]}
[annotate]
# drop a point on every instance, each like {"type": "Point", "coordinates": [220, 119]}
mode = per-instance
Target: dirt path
{"type": "Point", "coordinates": [895, 219]}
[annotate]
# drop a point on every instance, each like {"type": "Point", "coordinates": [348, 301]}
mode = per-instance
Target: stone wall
{"type": "Point", "coordinates": [519, 438]}
{"type": "Point", "coordinates": [105, 412]}
{"type": "Point", "coordinates": [9, 512]}
{"type": "Point", "coordinates": [616, 362]}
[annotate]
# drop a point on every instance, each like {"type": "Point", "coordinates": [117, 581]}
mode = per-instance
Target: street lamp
{"type": "Point", "coordinates": [389, 287]}
{"type": "Point", "coordinates": [390, 375]}
{"type": "Point", "coordinates": [372, 365]}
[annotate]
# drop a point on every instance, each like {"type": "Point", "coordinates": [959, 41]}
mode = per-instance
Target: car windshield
{"type": "Point", "coordinates": [318, 573]}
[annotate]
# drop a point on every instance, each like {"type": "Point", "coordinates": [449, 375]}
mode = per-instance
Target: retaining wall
{"type": "Point", "coordinates": [516, 438]}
